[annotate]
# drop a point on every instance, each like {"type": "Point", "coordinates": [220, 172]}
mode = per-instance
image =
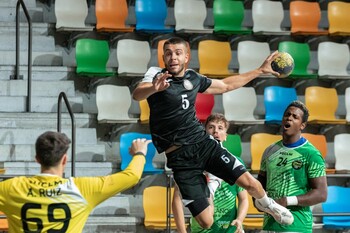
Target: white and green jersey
{"type": "Point", "coordinates": [288, 170]}
{"type": "Point", "coordinates": [225, 210]}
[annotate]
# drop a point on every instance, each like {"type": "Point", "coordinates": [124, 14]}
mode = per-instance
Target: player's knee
{"type": "Point", "coordinates": [207, 223]}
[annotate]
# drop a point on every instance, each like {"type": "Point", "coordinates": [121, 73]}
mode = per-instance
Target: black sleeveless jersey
{"type": "Point", "coordinates": [173, 118]}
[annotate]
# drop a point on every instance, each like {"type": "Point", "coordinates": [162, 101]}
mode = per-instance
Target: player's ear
{"type": "Point", "coordinates": [64, 159]}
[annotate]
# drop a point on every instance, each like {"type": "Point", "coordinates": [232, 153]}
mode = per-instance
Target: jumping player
{"type": "Point", "coordinates": [49, 203]}
{"type": "Point", "coordinates": [293, 173]}
{"type": "Point", "coordinates": [175, 130]}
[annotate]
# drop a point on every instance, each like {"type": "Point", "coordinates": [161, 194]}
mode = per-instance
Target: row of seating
{"type": "Point", "coordinates": [155, 206]}
{"type": "Point", "coordinates": [214, 57]}
{"type": "Point", "coordinates": [238, 105]}
{"type": "Point", "coordinates": [151, 15]}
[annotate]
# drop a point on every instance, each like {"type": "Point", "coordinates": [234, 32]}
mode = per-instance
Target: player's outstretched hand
{"type": "Point", "coordinates": [266, 66]}
{"type": "Point", "coordinates": [139, 145]}
{"type": "Point", "coordinates": [160, 83]}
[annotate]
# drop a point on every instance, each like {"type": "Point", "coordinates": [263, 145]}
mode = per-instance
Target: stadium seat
{"type": "Point", "coordinates": [151, 16]}
{"type": "Point", "coordinates": [320, 142]}
{"type": "Point", "coordinates": [154, 206]}
{"type": "Point", "coordinates": [91, 58]}
{"type": "Point", "coordinates": [333, 60]}
{"type": "Point", "coordinates": [337, 202]}
{"type": "Point", "coordinates": [228, 17]}
{"type": "Point", "coordinates": [233, 144]}
{"type": "Point", "coordinates": [302, 57]}
{"type": "Point", "coordinates": [113, 103]}
{"type": "Point", "coordinates": [322, 103]}
{"type": "Point", "coordinates": [255, 223]}
{"type": "Point", "coordinates": [267, 18]}
{"type": "Point", "coordinates": [347, 104]}
{"type": "Point", "coordinates": [133, 57]}
{"type": "Point", "coordinates": [258, 143]}
{"type": "Point", "coordinates": [188, 20]}
{"type": "Point", "coordinates": [144, 112]}
{"type": "Point", "coordinates": [276, 100]}
{"type": "Point", "coordinates": [251, 54]}
{"type": "Point", "coordinates": [71, 15]}
{"type": "Point", "coordinates": [341, 153]}
{"type": "Point", "coordinates": [305, 18]}
{"type": "Point", "coordinates": [339, 18]}
{"type": "Point", "coordinates": [111, 16]}
{"type": "Point", "coordinates": [239, 106]}
{"type": "Point", "coordinates": [4, 225]}
{"type": "Point", "coordinates": [125, 142]}
{"type": "Point", "coordinates": [204, 105]}
{"type": "Point", "coordinates": [214, 58]}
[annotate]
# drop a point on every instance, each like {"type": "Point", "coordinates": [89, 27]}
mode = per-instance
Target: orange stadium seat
{"type": "Point", "coordinates": [305, 18]}
{"type": "Point", "coordinates": [111, 15]}
{"type": "Point", "coordinates": [339, 18]}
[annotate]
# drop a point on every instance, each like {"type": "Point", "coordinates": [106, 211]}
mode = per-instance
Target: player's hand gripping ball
{"type": "Point", "coordinates": [283, 64]}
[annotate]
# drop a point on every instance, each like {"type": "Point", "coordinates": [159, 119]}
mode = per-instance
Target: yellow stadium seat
{"type": "Point", "coordinates": [214, 58]}
{"type": "Point", "coordinates": [258, 143]}
{"type": "Point", "coordinates": [251, 223]}
{"type": "Point", "coordinates": [322, 103]}
{"type": "Point", "coordinates": [339, 18]}
{"type": "Point", "coordinates": [154, 206]}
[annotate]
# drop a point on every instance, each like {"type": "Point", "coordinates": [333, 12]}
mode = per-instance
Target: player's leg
{"type": "Point", "coordinates": [195, 196]}
{"type": "Point", "coordinates": [230, 169]}
{"type": "Point", "coordinates": [178, 212]}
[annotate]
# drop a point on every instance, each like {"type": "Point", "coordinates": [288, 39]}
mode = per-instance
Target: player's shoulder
{"type": "Point", "coordinates": [194, 73]}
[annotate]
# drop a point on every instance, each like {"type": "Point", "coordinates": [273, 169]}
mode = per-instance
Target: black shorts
{"type": "Point", "coordinates": [190, 161]}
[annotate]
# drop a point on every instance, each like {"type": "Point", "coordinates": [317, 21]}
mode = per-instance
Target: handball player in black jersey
{"type": "Point", "coordinates": [175, 130]}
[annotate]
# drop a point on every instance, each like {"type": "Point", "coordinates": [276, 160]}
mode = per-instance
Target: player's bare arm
{"type": "Point", "coordinates": [146, 89]}
{"type": "Point", "coordinates": [317, 194]}
{"type": "Point", "coordinates": [230, 83]}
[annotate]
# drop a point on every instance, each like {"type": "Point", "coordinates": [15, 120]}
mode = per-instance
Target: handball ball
{"type": "Point", "coordinates": [283, 64]}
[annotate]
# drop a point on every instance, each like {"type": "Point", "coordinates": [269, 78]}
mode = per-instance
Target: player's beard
{"type": "Point", "coordinates": [176, 74]}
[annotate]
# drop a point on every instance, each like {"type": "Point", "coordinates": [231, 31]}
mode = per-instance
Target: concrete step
{"type": "Point", "coordinates": [47, 120]}
{"type": "Point", "coordinates": [37, 28]}
{"type": "Point", "coordinates": [81, 168]}
{"type": "Point", "coordinates": [40, 43]}
{"type": "Point", "coordinates": [26, 153]}
{"type": "Point", "coordinates": [38, 58]}
{"type": "Point", "coordinates": [38, 104]}
{"type": "Point", "coordinates": [12, 3]}
{"type": "Point", "coordinates": [42, 73]}
{"type": "Point", "coordinates": [15, 136]}
{"type": "Point", "coordinates": [8, 14]}
{"type": "Point", "coordinates": [39, 88]}
{"type": "Point", "coordinates": [114, 224]}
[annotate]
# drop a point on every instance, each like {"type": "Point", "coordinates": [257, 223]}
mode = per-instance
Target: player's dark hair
{"type": "Point", "coordinates": [217, 117]}
{"type": "Point", "coordinates": [50, 147]}
{"type": "Point", "coordinates": [175, 40]}
{"type": "Point", "coordinates": [302, 107]}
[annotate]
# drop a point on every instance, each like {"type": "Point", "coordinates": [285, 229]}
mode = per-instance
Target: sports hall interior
{"type": "Point", "coordinates": [71, 65]}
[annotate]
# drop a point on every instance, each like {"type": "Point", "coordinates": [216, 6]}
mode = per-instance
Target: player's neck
{"type": "Point", "coordinates": [58, 171]}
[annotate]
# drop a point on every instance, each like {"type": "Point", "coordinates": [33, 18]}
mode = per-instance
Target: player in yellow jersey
{"type": "Point", "coordinates": [50, 203]}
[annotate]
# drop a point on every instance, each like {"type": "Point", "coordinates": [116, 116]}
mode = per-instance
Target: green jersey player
{"type": "Point", "coordinates": [293, 173]}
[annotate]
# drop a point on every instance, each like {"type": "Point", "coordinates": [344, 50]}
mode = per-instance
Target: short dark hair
{"type": "Point", "coordinates": [50, 148]}
{"type": "Point", "coordinates": [175, 40]}
{"type": "Point", "coordinates": [302, 107]}
{"type": "Point", "coordinates": [217, 117]}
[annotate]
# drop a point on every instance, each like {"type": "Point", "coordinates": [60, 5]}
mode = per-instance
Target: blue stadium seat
{"type": "Point", "coordinates": [151, 16]}
{"type": "Point", "coordinates": [125, 142]}
{"type": "Point", "coordinates": [276, 99]}
{"type": "Point", "coordinates": [337, 202]}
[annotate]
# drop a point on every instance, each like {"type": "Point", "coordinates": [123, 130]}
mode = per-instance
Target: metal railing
{"type": "Point", "coordinates": [17, 72]}
{"type": "Point", "coordinates": [63, 96]}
